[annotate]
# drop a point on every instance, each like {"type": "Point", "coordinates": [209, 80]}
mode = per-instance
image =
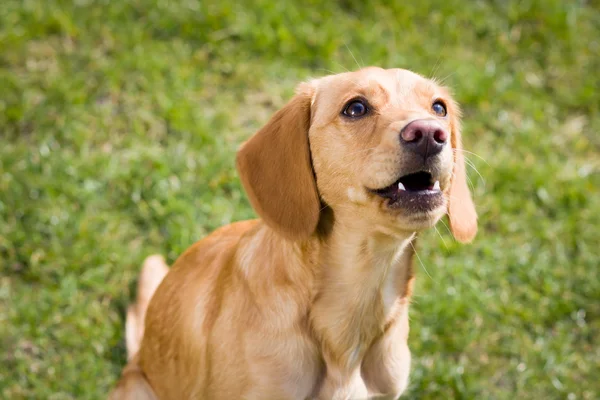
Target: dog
{"type": "Point", "coordinates": [311, 300]}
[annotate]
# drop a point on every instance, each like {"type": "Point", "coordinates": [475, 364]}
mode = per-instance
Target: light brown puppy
{"type": "Point", "coordinates": [311, 301]}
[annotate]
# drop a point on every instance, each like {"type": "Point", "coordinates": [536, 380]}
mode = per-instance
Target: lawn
{"type": "Point", "coordinates": [119, 121]}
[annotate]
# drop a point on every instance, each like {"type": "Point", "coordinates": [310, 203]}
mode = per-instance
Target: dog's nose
{"type": "Point", "coordinates": [424, 137]}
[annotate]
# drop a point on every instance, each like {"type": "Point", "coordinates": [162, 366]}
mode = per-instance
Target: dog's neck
{"type": "Point", "coordinates": [357, 278]}
{"type": "Point", "coordinates": [365, 276]}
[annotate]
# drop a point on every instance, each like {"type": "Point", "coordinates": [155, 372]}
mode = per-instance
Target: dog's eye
{"type": "Point", "coordinates": [439, 108]}
{"type": "Point", "coordinates": [356, 108]}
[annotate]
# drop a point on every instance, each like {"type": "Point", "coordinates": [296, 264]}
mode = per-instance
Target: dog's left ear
{"type": "Point", "coordinates": [276, 170]}
{"type": "Point", "coordinates": [461, 210]}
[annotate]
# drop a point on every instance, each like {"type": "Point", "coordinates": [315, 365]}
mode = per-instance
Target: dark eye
{"type": "Point", "coordinates": [439, 108]}
{"type": "Point", "coordinates": [356, 108]}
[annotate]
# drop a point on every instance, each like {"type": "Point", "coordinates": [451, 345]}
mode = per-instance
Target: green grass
{"type": "Point", "coordinates": [119, 122]}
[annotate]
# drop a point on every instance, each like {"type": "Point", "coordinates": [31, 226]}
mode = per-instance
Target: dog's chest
{"type": "Point", "coordinates": [359, 295]}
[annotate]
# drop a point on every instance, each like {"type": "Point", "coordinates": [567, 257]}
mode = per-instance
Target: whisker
{"type": "Point", "coordinates": [470, 182]}
{"type": "Point", "coordinates": [328, 70]}
{"type": "Point", "coordinates": [443, 80]}
{"type": "Point", "coordinates": [470, 152]}
{"type": "Point", "coordinates": [421, 262]}
{"type": "Point", "coordinates": [437, 63]}
{"type": "Point", "coordinates": [449, 231]}
{"type": "Point", "coordinates": [352, 54]}
{"type": "Point", "coordinates": [441, 237]}
{"type": "Point", "coordinates": [341, 66]}
{"type": "Point", "coordinates": [470, 164]}
{"type": "Point", "coordinates": [361, 59]}
{"type": "Point", "coordinates": [435, 67]}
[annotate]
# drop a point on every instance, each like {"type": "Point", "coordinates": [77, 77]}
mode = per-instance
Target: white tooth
{"type": "Point", "coordinates": [401, 186]}
{"type": "Point", "coordinates": [436, 185]}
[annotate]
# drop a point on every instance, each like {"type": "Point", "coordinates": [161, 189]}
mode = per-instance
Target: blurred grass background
{"type": "Point", "coordinates": [119, 121]}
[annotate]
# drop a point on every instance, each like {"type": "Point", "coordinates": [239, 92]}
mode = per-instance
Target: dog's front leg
{"type": "Point", "coordinates": [341, 385]}
{"type": "Point", "coordinates": [386, 365]}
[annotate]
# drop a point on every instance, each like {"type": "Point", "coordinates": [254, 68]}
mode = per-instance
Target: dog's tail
{"type": "Point", "coordinates": [153, 272]}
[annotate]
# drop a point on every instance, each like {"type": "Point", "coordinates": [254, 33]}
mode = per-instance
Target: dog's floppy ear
{"type": "Point", "coordinates": [461, 210]}
{"type": "Point", "coordinates": [276, 170]}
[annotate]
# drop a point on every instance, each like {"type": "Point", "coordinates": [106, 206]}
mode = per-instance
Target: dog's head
{"type": "Point", "coordinates": [380, 146]}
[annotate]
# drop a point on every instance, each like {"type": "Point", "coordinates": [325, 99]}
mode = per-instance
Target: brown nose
{"type": "Point", "coordinates": [424, 137]}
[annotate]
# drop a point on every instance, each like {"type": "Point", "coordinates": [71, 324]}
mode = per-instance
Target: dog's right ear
{"type": "Point", "coordinates": [461, 209]}
{"type": "Point", "coordinates": [276, 170]}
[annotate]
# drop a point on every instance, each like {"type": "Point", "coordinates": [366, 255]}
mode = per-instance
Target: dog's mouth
{"type": "Point", "coordinates": [419, 191]}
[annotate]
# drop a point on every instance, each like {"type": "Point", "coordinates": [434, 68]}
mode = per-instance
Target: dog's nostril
{"type": "Point", "coordinates": [440, 136]}
{"type": "Point", "coordinates": [411, 135]}
{"type": "Point", "coordinates": [418, 135]}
